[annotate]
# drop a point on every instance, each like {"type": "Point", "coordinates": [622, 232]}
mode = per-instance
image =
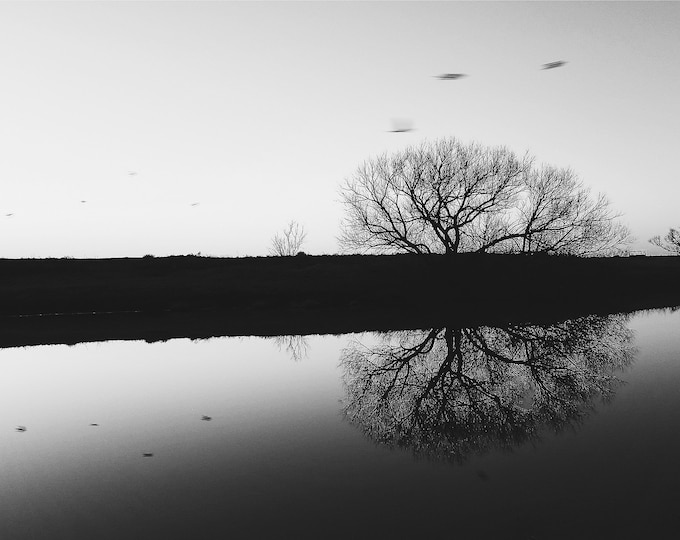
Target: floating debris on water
{"type": "Point", "coordinates": [451, 76]}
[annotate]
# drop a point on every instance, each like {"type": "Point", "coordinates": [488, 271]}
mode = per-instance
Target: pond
{"type": "Point", "coordinates": [561, 431]}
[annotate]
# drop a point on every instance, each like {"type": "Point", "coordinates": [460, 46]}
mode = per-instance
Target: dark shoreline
{"type": "Point", "coordinates": [198, 297]}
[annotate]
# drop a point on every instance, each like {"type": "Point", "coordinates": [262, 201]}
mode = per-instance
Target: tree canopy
{"type": "Point", "coordinates": [449, 197]}
{"type": "Point", "coordinates": [670, 242]}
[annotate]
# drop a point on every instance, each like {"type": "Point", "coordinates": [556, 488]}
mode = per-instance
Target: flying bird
{"type": "Point", "coordinates": [553, 65]}
{"type": "Point", "coordinates": [401, 126]}
{"type": "Point", "coordinates": [9, 215]}
{"type": "Point", "coordinates": [21, 429]}
{"type": "Point", "coordinates": [132, 173]}
{"type": "Point", "coordinates": [147, 454]}
{"type": "Point", "coordinates": [450, 76]}
{"type": "Point", "coordinates": [195, 204]}
{"type": "Point", "coordinates": [206, 418]}
{"type": "Point", "coordinates": [94, 424]}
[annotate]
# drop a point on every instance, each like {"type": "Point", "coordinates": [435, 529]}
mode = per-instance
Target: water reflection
{"type": "Point", "coordinates": [296, 346]}
{"type": "Point", "coordinates": [450, 392]}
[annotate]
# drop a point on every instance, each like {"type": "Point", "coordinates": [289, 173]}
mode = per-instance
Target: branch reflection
{"type": "Point", "coordinates": [452, 392]}
{"type": "Point", "coordinates": [295, 345]}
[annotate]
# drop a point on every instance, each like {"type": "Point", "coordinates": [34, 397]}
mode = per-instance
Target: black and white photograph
{"type": "Point", "coordinates": [339, 269]}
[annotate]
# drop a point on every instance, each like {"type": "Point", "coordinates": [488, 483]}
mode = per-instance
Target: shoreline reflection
{"type": "Point", "coordinates": [451, 392]}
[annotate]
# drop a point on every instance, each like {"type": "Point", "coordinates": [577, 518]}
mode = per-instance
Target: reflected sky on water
{"type": "Point", "coordinates": [283, 456]}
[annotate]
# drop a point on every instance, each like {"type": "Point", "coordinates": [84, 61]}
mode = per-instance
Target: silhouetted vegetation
{"type": "Point", "coordinates": [289, 242]}
{"type": "Point", "coordinates": [670, 242]}
{"type": "Point", "coordinates": [451, 392]}
{"type": "Point", "coordinates": [447, 197]}
{"type": "Point", "coordinates": [164, 297]}
{"type": "Point", "coordinates": [295, 345]}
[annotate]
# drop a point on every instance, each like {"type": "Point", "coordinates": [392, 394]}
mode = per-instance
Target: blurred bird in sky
{"type": "Point", "coordinates": [195, 204]}
{"type": "Point", "coordinates": [9, 215]}
{"type": "Point", "coordinates": [132, 173]}
{"type": "Point", "coordinates": [206, 418]}
{"type": "Point", "coordinates": [553, 65]}
{"type": "Point", "coordinates": [401, 126]}
{"type": "Point", "coordinates": [21, 429]}
{"type": "Point", "coordinates": [450, 76]}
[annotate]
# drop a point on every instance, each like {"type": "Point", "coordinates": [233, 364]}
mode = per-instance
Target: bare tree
{"type": "Point", "coordinates": [670, 242]}
{"type": "Point", "coordinates": [295, 345]}
{"type": "Point", "coordinates": [452, 392]}
{"type": "Point", "coordinates": [448, 197]}
{"type": "Point", "coordinates": [289, 241]}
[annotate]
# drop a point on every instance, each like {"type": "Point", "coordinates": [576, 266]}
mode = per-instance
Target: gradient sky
{"type": "Point", "coordinates": [258, 111]}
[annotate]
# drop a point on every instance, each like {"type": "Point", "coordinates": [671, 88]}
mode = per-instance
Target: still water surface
{"type": "Point", "coordinates": [565, 432]}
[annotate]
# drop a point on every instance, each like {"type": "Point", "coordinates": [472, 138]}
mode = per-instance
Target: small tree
{"type": "Point", "coordinates": [289, 241]}
{"type": "Point", "coordinates": [448, 197]}
{"type": "Point", "coordinates": [670, 242]}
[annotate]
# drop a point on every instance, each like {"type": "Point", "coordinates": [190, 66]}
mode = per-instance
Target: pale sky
{"type": "Point", "coordinates": [259, 111]}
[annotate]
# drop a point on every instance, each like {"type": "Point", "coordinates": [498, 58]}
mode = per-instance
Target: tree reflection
{"type": "Point", "coordinates": [450, 392]}
{"type": "Point", "coordinates": [296, 346]}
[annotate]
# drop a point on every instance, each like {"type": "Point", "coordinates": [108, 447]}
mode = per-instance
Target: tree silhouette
{"type": "Point", "coordinates": [670, 242]}
{"type": "Point", "coordinates": [450, 392]}
{"type": "Point", "coordinates": [295, 345]}
{"type": "Point", "coordinates": [289, 241]}
{"type": "Point", "coordinates": [448, 197]}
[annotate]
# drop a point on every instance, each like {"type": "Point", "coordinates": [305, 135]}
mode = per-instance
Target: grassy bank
{"type": "Point", "coordinates": [157, 298]}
